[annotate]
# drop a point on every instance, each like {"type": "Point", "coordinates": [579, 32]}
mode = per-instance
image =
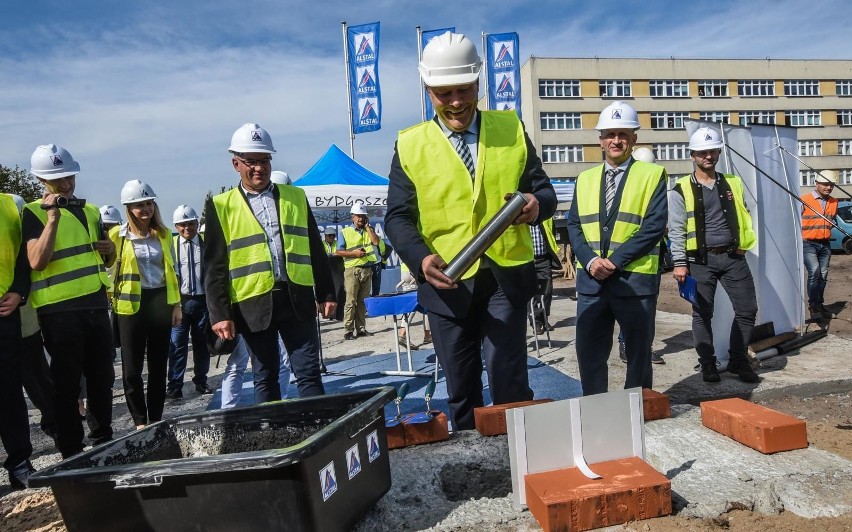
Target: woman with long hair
{"type": "Point", "coordinates": [146, 300]}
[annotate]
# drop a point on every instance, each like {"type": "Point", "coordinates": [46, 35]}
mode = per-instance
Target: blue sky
{"type": "Point", "coordinates": [153, 90]}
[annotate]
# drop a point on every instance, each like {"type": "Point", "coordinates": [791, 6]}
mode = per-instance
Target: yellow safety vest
{"type": "Point", "coordinates": [547, 226]}
{"type": "Point", "coordinates": [746, 238]}
{"type": "Point", "coordinates": [10, 241]}
{"type": "Point", "coordinates": [639, 183]}
{"type": "Point", "coordinates": [75, 269]}
{"type": "Point", "coordinates": [453, 207]}
{"type": "Point", "coordinates": [355, 240]}
{"type": "Point", "coordinates": [330, 248]}
{"type": "Point", "coordinates": [249, 257]}
{"type": "Point", "coordinates": [128, 281]}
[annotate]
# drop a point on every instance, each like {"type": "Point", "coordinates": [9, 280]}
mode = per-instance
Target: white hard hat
{"type": "Point", "coordinates": [202, 228]}
{"type": "Point", "coordinates": [135, 191]}
{"type": "Point", "coordinates": [826, 176]}
{"type": "Point", "coordinates": [53, 162]}
{"type": "Point", "coordinates": [110, 215]}
{"type": "Point", "coordinates": [705, 138]}
{"type": "Point", "coordinates": [184, 213]}
{"type": "Point", "coordinates": [618, 115]}
{"type": "Point", "coordinates": [251, 138]}
{"type": "Point", "coordinates": [19, 202]}
{"type": "Point", "coordinates": [450, 59]}
{"type": "Point", "coordinates": [281, 178]}
{"type": "Point", "coordinates": [645, 155]}
{"type": "Point", "coordinates": [358, 208]}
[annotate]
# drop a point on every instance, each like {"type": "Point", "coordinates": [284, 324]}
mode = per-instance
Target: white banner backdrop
{"type": "Point", "coordinates": [776, 261]}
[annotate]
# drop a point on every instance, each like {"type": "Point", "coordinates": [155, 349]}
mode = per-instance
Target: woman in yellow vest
{"type": "Point", "coordinates": [146, 299]}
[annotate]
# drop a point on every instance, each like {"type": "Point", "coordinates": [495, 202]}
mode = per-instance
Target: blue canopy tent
{"type": "Point", "coordinates": [336, 182]}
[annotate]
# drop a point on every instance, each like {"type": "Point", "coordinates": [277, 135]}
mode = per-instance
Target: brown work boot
{"type": "Point", "coordinates": [427, 337]}
{"type": "Point", "coordinates": [742, 369]}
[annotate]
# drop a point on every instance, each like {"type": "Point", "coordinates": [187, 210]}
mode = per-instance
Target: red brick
{"type": "Point", "coordinates": [396, 436]}
{"type": "Point", "coordinates": [491, 420]}
{"type": "Point", "coordinates": [756, 426]}
{"type": "Point", "coordinates": [655, 405]}
{"type": "Point", "coordinates": [567, 500]}
{"type": "Point", "coordinates": [432, 431]}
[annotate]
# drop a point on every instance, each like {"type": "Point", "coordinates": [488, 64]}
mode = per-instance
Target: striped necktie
{"type": "Point", "coordinates": [610, 187]}
{"type": "Point", "coordinates": [190, 266]}
{"type": "Point", "coordinates": [464, 152]}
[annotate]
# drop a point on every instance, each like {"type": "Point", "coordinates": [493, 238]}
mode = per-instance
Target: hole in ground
{"type": "Point", "coordinates": [464, 481]}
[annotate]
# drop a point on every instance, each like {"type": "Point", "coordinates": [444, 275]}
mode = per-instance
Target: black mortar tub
{"type": "Point", "coordinates": [305, 464]}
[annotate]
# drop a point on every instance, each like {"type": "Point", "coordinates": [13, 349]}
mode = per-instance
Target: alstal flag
{"type": "Point", "coordinates": [365, 95]}
{"type": "Point", "coordinates": [503, 71]}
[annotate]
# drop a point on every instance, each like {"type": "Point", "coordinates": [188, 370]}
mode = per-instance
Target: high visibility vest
{"type": "Point", "coordinates": [330, 247]}
{"type": "Point", "coordinates": [249, 257]}
{"type": "Point", "coordinates": [547, 227]}
{"type": "Point", "coordinates": [746, 238]}
{"type": "Point", "coordinates": [814, 227]}
{"type": "Point", "coordinates": [75, 269]}
{"type": "Point", "coordinates": [453, 208]}
{"type": "Point", "coordinates": [353, 240]}
{"type": "Point", "coordinates": [639, 183]}
{"type": "Point", "coordinates": [10, 241]}
{"type": "Point", "coordinates": [128, 281]}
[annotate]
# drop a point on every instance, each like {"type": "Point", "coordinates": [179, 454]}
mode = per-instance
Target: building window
{"type": "Point", "coordinates": [723, 117]}
{"type": "Point", "coordinates": [844, 87]}
{"type": "Point", "coordinates": [844, 147]}
{"type": "Point", "coordinates": [846, 177]}
{"type": "Point", "coordinates": [670, 120]}
{"type": "Point", "coordinates": [561, 154]}
{"type": "Point", "coordinates": [807, 178]}
{"type": "Point", "coordinates": [802, 118]}
{"type": "Point", "coordinates": [801, 87]}
{"type": "Point", "coordinates": [844, 117]}
{"type": "Point", "coordinates": [559, 121]}
{"type": "Point", "coordinates": [810, 148]}
{"type": "Point", "coordinates": [678, 88]}
{"type": "Point", "coordinates": [615, 88]}
{"type": "Point", "coordinates": [756, 87]}
{"type": "Point", "coordinates": [713, 88]}
{"type": "Point", "coordinates": [671, 152]}
{"type": "Point", "coordinates": [559, 88]}
{"type": "Point", "coordinates": [757, 117]}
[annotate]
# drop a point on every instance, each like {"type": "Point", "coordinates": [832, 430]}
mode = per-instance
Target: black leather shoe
{"type": "Point", "coordinates": [203, 389]}
{"type": "Point", "coordinates": [174, 394]}
{"type": "Point", "coordinates": [349, 336]}
{"type": "Point", "coordinates": [742, 369]}
{"type": "Point", "coordinates": [621, 352]}
{"type": "Point", "coordinates": [365, 332]}
{"type": "Point", "coordinates": [19, 477]}
{"type": "Point", "coordinates": [709, 372]}
{"type": "Point", "coordinates": [656, 359]}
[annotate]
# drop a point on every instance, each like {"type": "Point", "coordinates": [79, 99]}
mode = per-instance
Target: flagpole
{"type": "Point", "coordinates": [420, 81]}
{"type": "Point", "coordinates": [348, 90]}
{"type": "Point", "coordinates": [485, 62]}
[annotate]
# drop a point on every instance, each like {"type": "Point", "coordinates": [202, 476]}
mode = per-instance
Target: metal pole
{"type": "Point", "coordinates": [419, 80]}
{"type": "Point", "coordinates": [785, 150]}
{"type": "Point", "coordinates": [348, 90]}
{"type": "Point", "coordinates": [785, 189]}
{"type": "Point", "coordinates": [485, 61]}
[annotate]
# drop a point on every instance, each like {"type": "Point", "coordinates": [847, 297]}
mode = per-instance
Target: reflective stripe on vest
{"type": "Point", "coordinates": [746, 238]}
{"type": "Point", "coordinates": [353, 240]}
{"type": "Point", "coordinates": [128, 281]}
{"type": "Point", "coordinates": [454, 208]}
{"type": "Point", "coordinates": [249, 257]}
{"type": "Point", "coordinates": [638, 183]}
{"type": "Point", "coordinates": [814, 227]}
{"type": "Point", "coordinates": [75, 268]}
{"type": "Point", "coordinates": [10, 241]}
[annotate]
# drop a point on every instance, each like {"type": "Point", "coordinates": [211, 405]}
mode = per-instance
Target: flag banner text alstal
{"type": "Point", "coordinates": [503, 71]}
{"type": "Point", "coordinates": [365, 93]}
{"type": "Point", "coordinates": [425, 37]}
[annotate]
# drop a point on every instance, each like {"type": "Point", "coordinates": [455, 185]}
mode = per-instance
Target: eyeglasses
{"type": "Point", "coordinates": [251, 163]}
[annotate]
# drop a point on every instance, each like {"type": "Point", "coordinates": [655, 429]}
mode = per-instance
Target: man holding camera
{"type": "Point", "coordinates": [68, 254]}
{"type": "Point", "coordinates": [361, 248]}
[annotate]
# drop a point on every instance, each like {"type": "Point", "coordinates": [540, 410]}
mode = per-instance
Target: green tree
{"type": "Point", "coordinates": [20, 182]}
{"type": "Point", "coordinates": [204, 208]}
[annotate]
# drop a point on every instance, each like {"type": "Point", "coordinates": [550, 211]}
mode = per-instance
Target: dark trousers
{"type": "Point", "coordinates": [596, 317]}
{"type": "Point", "coordinates": [817, 255]}
{"type": "Point", "coordinates": [377, 278]}
{"type": "Point", "coordinates": [14, 420]}
{"type": "Point", "coordinates": [544, 283]}
{"type": "Point", "coordinates": [37, 380]}
{"type": "Point", "coordinates": [336, 264]}
{"type": "Point", "coordinates": [493, 328]}
{"type": "Point", "coordinates": [299, 335]}
{"type": "Point", "coordinates": [145, 335]}
{"type": "Point", "coordinates": [194, 324]}
{"type": "Point", "coordinates": [80, 344]}
{"type": "Point", "coordinates": [730, 269]}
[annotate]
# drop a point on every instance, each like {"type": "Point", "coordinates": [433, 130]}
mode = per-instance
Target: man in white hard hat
{"type": "Point", "coordinates": [189, 256]}
{"type": "Point", "coordinates": [448, 178]}
{"type": "Point", "coordinates": [264, 261]}
{"type": "Point", "coordinates": [816, 234]}
{"type": "Point", "coordinates": [14, 288]}
{"type": "Point", "coordinates": [710, 230]}
{"type": "Point", "coordinates": [280, 178]}
{"type": "Point", "coordinates": [110, 217]}
{"type": "Point", "coordinates": [361, 248]}
{"type": "Point", "coordinates": [68, 254]}
{"type": "Point", "coordinates": [615, 225]}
